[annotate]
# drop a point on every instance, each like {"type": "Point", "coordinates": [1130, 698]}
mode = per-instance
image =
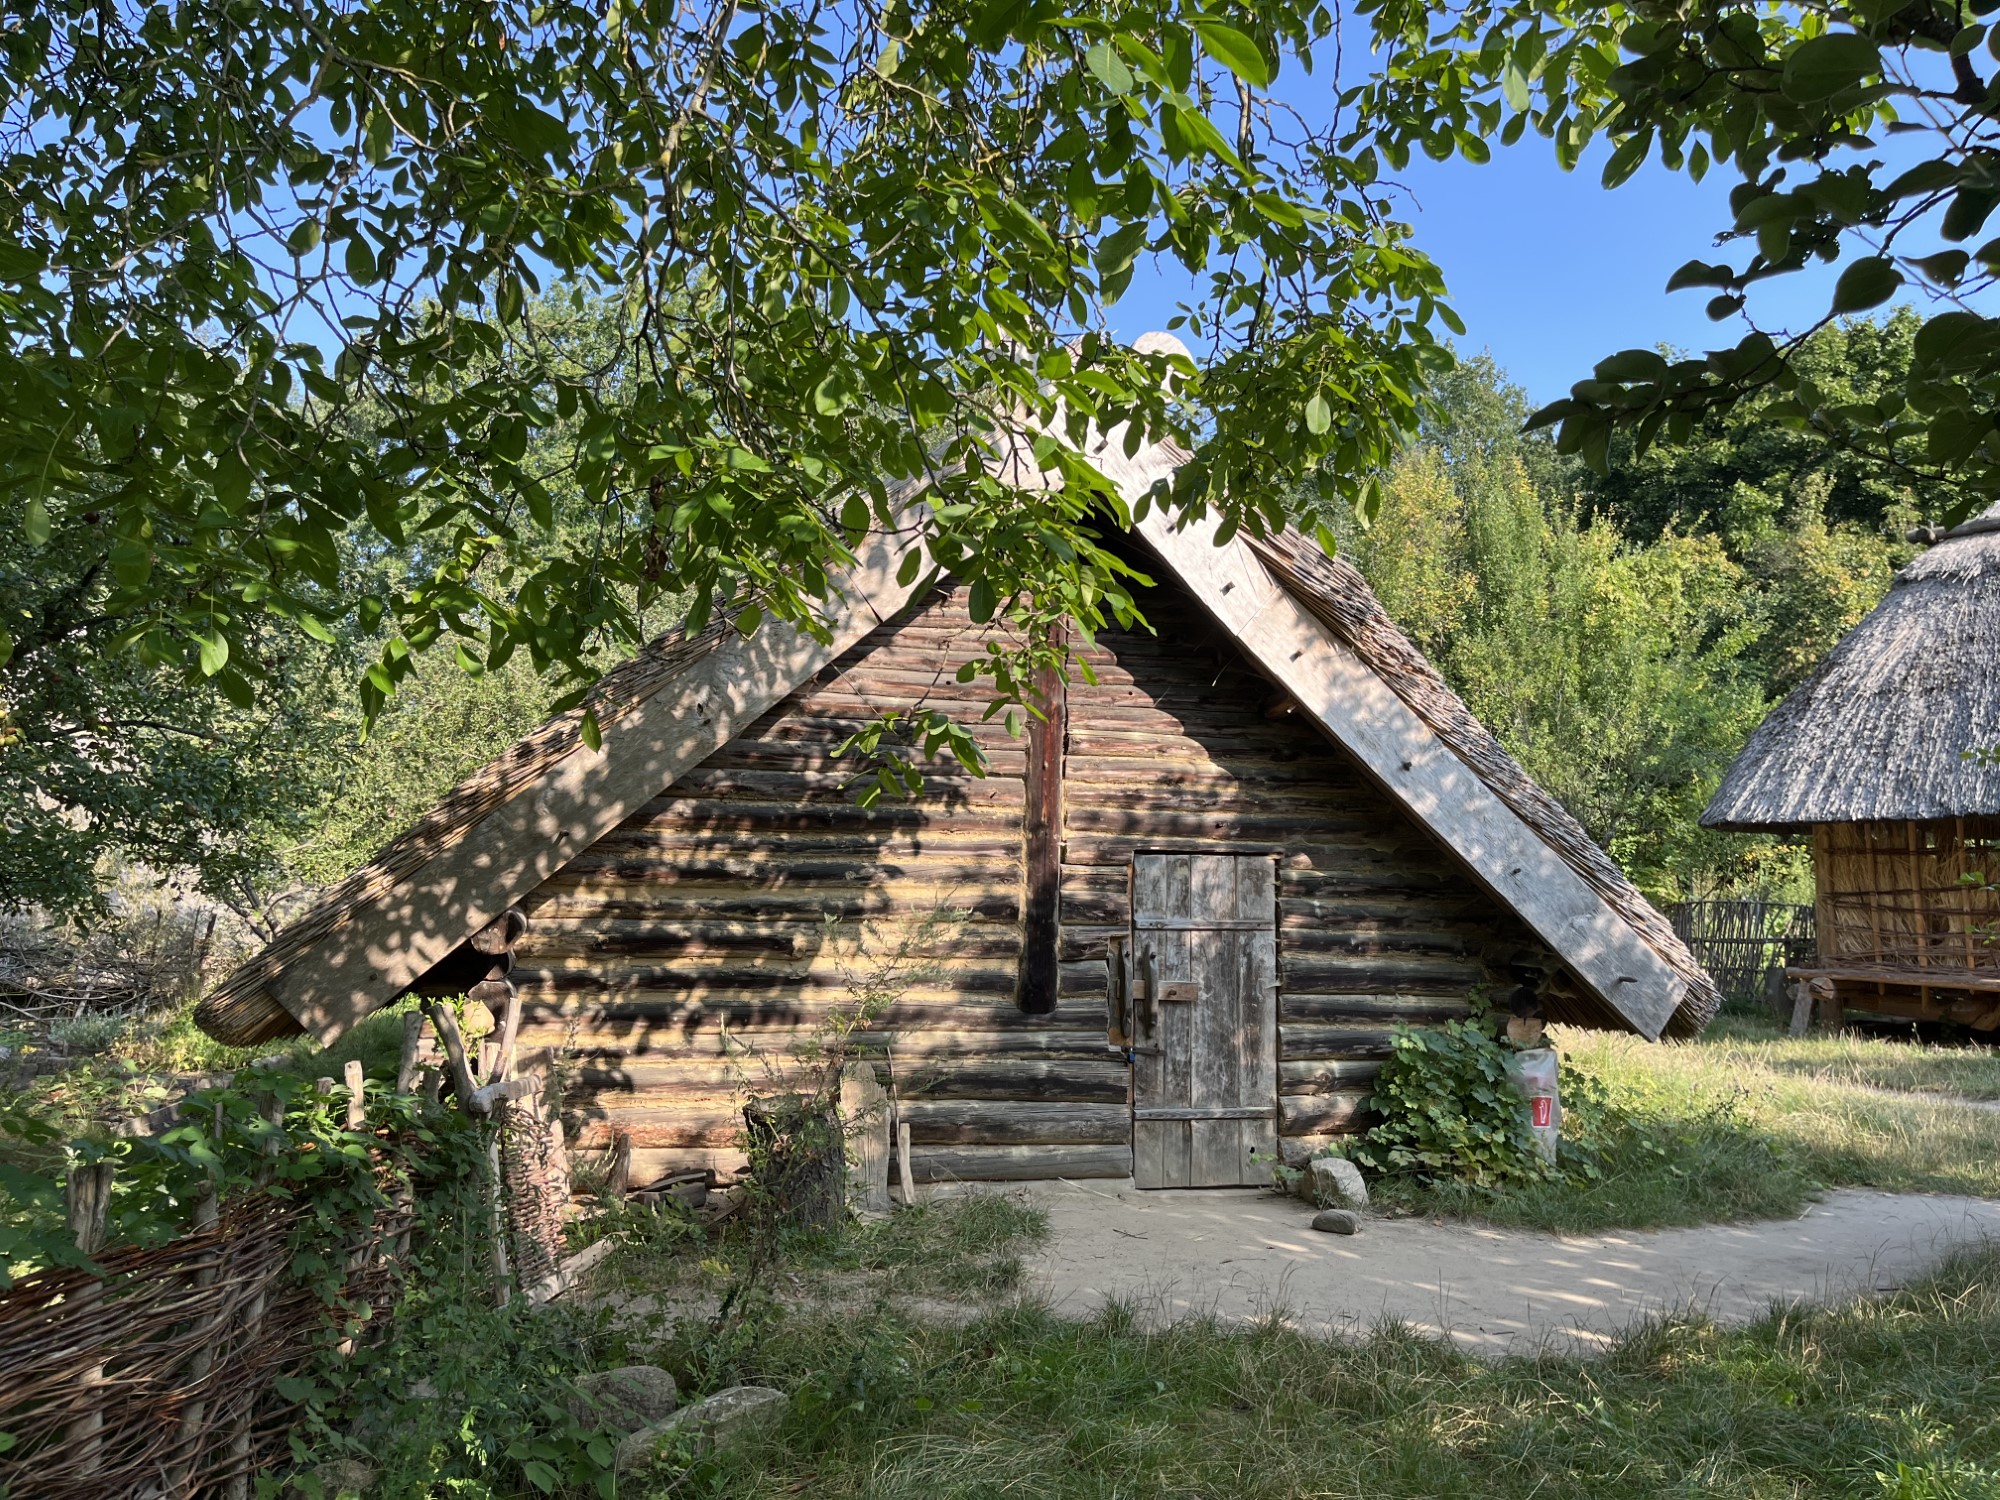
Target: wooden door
{"type": "Point", "coordinates": [1203, 979]}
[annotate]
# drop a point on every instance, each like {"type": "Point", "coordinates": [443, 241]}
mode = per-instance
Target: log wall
{"type": "Point", "coordinates": [680, 957]}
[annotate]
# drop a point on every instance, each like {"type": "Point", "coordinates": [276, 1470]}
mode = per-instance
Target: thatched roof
{"type": "Point", "coordinates": [1882, 730]}
{"type": "Point", "coordinates": [1340, 598]}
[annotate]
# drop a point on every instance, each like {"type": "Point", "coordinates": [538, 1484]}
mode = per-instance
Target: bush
{"type": "Point", "coordinates": [1449, 1111]}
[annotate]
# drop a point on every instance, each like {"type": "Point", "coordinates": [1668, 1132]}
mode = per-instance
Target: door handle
{"type": "Point", "coordinates": [1149, 994]}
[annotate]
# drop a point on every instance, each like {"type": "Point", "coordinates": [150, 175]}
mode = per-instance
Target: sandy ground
{"type": "Point", "coordinates": [1241, 1254]}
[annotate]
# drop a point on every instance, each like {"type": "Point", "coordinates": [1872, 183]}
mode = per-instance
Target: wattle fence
{"type": "Point", "coordinates": [1741, 942]}
{"type": "Point", "coordinates": [160, 1378]}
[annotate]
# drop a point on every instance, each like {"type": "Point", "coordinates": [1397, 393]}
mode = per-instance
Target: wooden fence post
{"type": "Point", "coordinates": [236, 1483]}
{"type": "Point", "coordinates": [406, 1068]}
{"type": "Point", "coordinates": [357, 1101]}
{"type": "Point", "coordinates": [87, 1210]}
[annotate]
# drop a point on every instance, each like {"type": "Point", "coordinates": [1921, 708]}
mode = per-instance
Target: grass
{"type": "Point", "coordinates": [1970, 1072]}
{"type": "Point", "coordinates": [957, 1247]}
{"type": "Point", "coordinates": [1892, 1399]}
{"type": "Point", "coordinates": [1746, 1125]}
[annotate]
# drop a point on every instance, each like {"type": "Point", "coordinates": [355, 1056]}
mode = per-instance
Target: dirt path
{"type": "Point", "coordinates": [1242, 1254]}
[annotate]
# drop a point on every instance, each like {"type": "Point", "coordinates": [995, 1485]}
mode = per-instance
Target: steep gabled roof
{"type": "Point", "coordinates": [1891, 725]}
{"type": "Point", "coordinates": [1308, 622]}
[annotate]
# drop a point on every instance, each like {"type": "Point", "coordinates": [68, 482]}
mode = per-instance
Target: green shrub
{"type": "Point", "coordinates": [1448, 1111]}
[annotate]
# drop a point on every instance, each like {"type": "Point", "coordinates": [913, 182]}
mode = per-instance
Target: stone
{"type": "Point", "coordinates": [1336, 1182]}
{"type": "Point", "coordinates": [625, 1399]}
{"type": "Point", "coordinates": [1337, 1221]}
{"type": "Point", "coordinates": [726, 1418]}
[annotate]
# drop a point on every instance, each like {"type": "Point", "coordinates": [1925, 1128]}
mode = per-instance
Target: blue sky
{"type": "Point", "coordinates": [1552, 272]}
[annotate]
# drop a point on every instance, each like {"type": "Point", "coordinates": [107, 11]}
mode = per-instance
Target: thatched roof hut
{"type": "Point", "coordinates": [1889, 756]}
{"type": "Point", "coordinates": [1185, 909]}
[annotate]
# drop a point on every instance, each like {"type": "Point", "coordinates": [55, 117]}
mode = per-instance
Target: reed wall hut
{"type": "Point", "coordinates": [1167, 933]}
{"type": "Point", "coordinates": [1888, 757]}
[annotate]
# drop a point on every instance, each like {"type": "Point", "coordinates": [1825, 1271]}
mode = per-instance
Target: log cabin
{"type": "Point", "coordinates": [1888, 758]}
{"type": "Point", "coordinates": [1165, 936]}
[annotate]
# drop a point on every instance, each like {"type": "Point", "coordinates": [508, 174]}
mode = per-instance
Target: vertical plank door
{"type": "Point", "coordinates": [1204, 967]}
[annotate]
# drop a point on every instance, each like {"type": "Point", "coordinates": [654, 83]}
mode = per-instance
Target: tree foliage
{"type": "Point", "coordinates": [276, 369]}
{"type": "Point", "coordinates": [1797, 101]}
{"type": "Point", "coordinates": [1621, 637]}
{"type": "Point", "coordinates": [267, 280]}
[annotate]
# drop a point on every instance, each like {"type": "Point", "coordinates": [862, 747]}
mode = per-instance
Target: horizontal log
{"type": "Point", "coordinates": [718, 816]}
{"type": "Point", "coordinates": [1337, 942]}
{"type": "Point", "coordinates": [649, 1164]}
{"type": "Point", "coordinates": [587, 898]}
{"type": "Point", "coordinates": [1073, 1066]}
{"type": "Point", "coordinates": [1326, 1076]}
{"type": "Point", "coordinates": [735, 786]}
{"type": "Point", "coordinates": [1384, 973]}
{"type": "Point", "coordinates": [1013, 1122]}
{"type": "Point", "coordinates": [766, 846]}
{"type": "Point", "coordinates": [1099, 1077]}
{"type": "Point", "coordinates": [908, 1023]}
{"type": "Point", "coordinates": [698, 973]}
{"type": "Point", "coordinates": [702, 946]}
{"type": "Point", "coordinates": [1294, 1005]}
{"type": "Point", "coordinates": [775, 991]}
{"type": "Point", "coordinates": [1298, 1043]}
{"type": "Point", "coordinates": [715, 1126]}
{"type": "Point", "coordinates": [1305, 1114]}
{"type": "Point", "coordinates": [951, 871]}
{"type": "Point", "coordinates": [1136, 819]}
{"type": "Point", "coordinates": [764, 754]}
{"type": "Point", "coordinates": [1422, 905]}
{"type": "Point", "coordinates": [1018, 1163]}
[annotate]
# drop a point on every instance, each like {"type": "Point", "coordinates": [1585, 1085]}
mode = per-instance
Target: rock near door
{"type": "Point", "coordinates": [1203, 959]}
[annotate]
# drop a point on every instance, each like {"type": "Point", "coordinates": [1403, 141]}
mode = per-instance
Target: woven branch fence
{"type": "Point", "coordinates": [1739, 942]}
{"type": "Point", "coordinates": [159, 1380]}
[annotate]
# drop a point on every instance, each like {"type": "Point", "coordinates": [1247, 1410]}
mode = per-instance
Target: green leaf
{"type": "Point", "coordinates": [1627, 158]}
{"type": "Point", "coordinates": [982, 602]}
{"type": "Point", "coordinates": [1108, 68]}
{"type": "Point", "coordinates": [589, 731]}
{"type": "Point", "coordinates": [360, 260]}
{"type": "Point", "coordinates": [1319, 416]}
{"type": "Point", "coordinates": [214, 652]}
{"type": "Point", "coordinates": [1514, 86]}
{"type": "Point", "coordinates": [1235, 51]}
{"type": "Point", "coordinates": [35, 522]}
{"type": "Point", "coordinates": [1823, 66]}
{"type": "Point", "coordinates": [1865, 284]}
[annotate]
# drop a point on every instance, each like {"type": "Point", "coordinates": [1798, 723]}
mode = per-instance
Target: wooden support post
{"type": "Point", "coordinates": [1801, 1008]}
{"type": "Point", "coordinates": [446, 1025]}
{"type": "Point", "coordinates": [620, 1181]}
{"type": "Point", "coordinates": [907, 1182]}
{"type": "Point", "coordinates": [510, 1023]}
{"type": "Point", "coordinates": [357, 1095]}
{"type": "Point", "coordinates": [413, 1037]}
{"type": "Point", "coordinates": [1043, 823]}
{"type": "Point", "coordinates": [87, 1210]}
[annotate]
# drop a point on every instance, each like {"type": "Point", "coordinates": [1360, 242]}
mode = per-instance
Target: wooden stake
{"type": "Point", "coordinates": [87, 1208]}
{"type": "Point", "coordinates": [907, 1182]}
{"type": "Point", "coordinates": [357, 1100]}
{"type": "Point", "coordinates": [413, 1036]}
{"type": "Point", "coordinates": [620, 1182]}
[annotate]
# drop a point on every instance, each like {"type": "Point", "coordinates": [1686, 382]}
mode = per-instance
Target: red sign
{"type": "Point", "coordinates": [1542, 1111]}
